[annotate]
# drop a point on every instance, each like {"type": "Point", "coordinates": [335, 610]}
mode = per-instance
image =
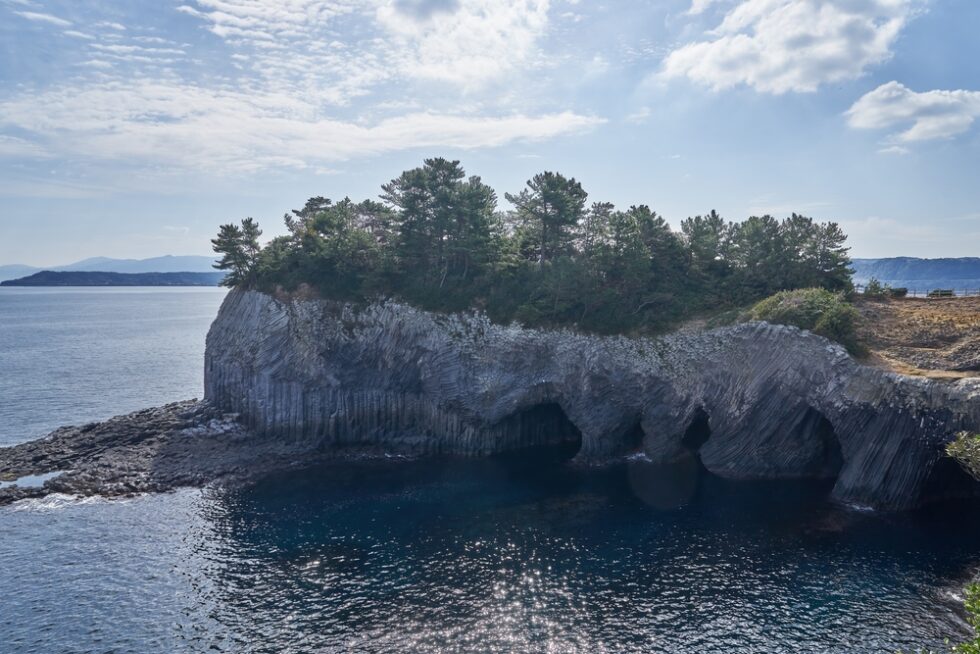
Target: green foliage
{"type": "Point", "coordinates": [239, 249]}
{"type": "Point", "coordinates": [875, 288]}
{"type": "Point", "coordinates": [550, 208]}
{"type": "Point", "coordinates": [819, 310]}
{"type": "Point", "coordinates": [438, 241]}
{"type": "Point", "coordinates": [972, 605]}
{"type": "Point", "coordinates": [966, 450]}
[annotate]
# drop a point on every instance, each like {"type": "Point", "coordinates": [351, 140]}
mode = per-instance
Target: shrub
{"type": "Point", "coordinates": [966, 450]}
{"type": "Point", "coordinates": [901, 291]}
{"type": "Point", "coordinates": [822, 312]}
{"type": "Point", "coordinates": [972, 605]}
{"type": "Point", "coordinates": [875, 288]}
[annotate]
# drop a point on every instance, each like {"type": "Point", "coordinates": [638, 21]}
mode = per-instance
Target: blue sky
{"type": "Point", "coordinates": [133, 128]}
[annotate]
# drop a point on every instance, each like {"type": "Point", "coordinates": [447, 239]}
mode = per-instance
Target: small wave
{"type": "Point", "coordinates": [859, 508]}
{"type": "Point", "coordinates": [59, 501]}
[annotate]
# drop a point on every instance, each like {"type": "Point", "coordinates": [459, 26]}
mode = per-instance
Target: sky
{"type": "Point", "coordinates": [133, 128]}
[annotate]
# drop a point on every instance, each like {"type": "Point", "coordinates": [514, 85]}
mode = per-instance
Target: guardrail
{"type": "Point", "coordinates": [933, 293]}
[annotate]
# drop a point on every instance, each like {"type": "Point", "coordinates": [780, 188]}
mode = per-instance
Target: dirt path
{"type": "Point", "coordinates": [938, 338]}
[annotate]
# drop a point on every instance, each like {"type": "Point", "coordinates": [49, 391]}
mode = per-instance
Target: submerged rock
{"type": "Point", "coordinates": [753, 401]}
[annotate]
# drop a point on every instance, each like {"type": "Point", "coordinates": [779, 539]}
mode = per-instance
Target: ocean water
{"type": "Point", "coordinates": [69, 356]}
{"type": "Point", "coordinates": [450, 555]}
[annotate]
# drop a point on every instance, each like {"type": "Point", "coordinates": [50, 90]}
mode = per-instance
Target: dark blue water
{"type": "Point", "coordinates": [478, 556]}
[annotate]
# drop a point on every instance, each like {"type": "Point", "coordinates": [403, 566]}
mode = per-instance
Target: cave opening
{"type": "Point", "coordinates": [540, 434]}
{"type": "Point", "coordinates": [829, 459]}
{"type": "Point", "coordinates": [633, 439]}
{"type": "Point", "coordinates": [698, 432]}
{"type": "Point", "coordinates": [673, 483]}
{"type": "Point", "coordinates": [949, 481]}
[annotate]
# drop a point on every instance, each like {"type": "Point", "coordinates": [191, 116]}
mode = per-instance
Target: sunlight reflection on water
{"type": "Point", "coordinates": [469, 556]}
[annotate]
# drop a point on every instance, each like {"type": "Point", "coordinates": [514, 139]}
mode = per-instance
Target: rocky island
{"type": "Point", "coordinates": [434, 324]}
{"type": "Point", "coordinates": [292, 381]}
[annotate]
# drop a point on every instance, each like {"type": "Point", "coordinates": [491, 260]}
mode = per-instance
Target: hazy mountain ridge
{"type": "Point", "coordinates": [164, 264]}
{"type": "Point", "coordinates": [89, 278]}
{"type": "Point", "coordinates": [920, 274]}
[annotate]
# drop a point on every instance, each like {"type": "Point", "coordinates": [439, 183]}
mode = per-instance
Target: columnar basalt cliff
{"type": "Point", "coordinates": [753, 401]}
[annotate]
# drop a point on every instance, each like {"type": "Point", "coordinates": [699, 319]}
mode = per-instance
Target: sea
{"type": "Point", "coordinates": [443, 555]}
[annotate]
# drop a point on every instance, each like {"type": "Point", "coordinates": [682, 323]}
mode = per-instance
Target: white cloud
{"type": "Point", "coordinates": [233, 131]}
{"type": "Point", "coordinates": [268, 19]}
{"type": "Point", "coordinates": [639, 116]}
{"type": "Point", "coordinates": [699, 6]}
{"type": "Point", "coordinates": [776, 46]}
{"type": "Point", "coordinates": [894, 149]}
{"type": "Point", "coordinates": [11, 146]}
{"type": "Point", "coordinates": [285, 106]}
{"type": "Point", "coordinates": [469, 44]}
{"type": "Point", "coordinates": [929, 115]}
{"type": "Point", "coordinates": [43, 18]}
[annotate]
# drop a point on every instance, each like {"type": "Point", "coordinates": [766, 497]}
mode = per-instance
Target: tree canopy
{"type": "Point", "coordinates": [438, 239]}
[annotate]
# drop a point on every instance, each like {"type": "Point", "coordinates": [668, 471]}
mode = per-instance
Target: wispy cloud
{"type": "Point", "coordinates": [466, 42]}
{"type": "Point", "coordinates": [700, 6]}
{"type": "Point", "coordinates": [43, 18]}
{"type": "Point", "coordinates": [235, 131]}
{"type": "Point", "coordinates": [777, 46]}
{"type": "Point", "coordinates": [284, 108]}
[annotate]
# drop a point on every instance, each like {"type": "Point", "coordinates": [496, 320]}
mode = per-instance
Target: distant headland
{"type": "Point", "coordinates": [163, 264]}
{"type": "Point", "coordinates": [83, 278]}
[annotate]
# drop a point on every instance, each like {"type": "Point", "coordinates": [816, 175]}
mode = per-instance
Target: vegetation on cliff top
{"type": "Point", "coordinates": [438, 240]}
{"type": "Point", "coordinates": [822, 312]}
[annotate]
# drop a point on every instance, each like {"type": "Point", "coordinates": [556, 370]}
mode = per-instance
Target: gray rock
{"type": "Point", "coordinates": [753, 401]}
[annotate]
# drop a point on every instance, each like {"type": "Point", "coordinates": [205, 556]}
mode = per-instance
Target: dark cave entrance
{"type": "Point", "coordinates": [540, 434]}
{"type": "Point", "coordinates": [672, 484]}
{"type": "Point", "coordinates": [949, 481]}
{"type": "Point", "coordinates": [633, 439]}
{"type": "Point", "coordinates": [828, 458]}
{"type": "Point", "coordinates": [698, 432]}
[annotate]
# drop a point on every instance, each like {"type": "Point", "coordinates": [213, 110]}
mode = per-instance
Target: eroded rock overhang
{"type": "Point", "coordinates": [753, 401]}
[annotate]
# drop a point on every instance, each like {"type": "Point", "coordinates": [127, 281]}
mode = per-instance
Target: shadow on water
{"type": "Point", "coordinates": [523, 552]}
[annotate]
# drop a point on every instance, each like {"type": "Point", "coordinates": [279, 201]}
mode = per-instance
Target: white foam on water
{"type": "Point", "coordinates": [59, 501]}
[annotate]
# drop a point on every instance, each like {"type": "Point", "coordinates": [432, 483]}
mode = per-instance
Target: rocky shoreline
{"type": "Point", "coordinates": [185, 444]}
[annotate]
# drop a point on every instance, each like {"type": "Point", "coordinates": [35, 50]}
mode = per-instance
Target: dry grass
{"type": "Point", "coordinates": [938, 338]}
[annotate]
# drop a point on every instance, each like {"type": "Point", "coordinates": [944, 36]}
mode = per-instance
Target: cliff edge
{"type": "Point", "coordinates": [753, 401]}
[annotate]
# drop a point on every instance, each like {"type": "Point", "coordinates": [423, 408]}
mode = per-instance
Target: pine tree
{"type": "Point", "coordinates": [239, 249]}
{"type": "Point", "coordinates": [552, 206]}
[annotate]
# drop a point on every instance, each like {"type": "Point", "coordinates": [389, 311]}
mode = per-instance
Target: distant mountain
{"type": "Point", "coordinates": [163, 264]}
{"type": "Point", "coordinates": [82, 278]}
{"type": "Point", "coordinates": [920, 274]}
{"type": "Point", "coordinates": [16, 270]}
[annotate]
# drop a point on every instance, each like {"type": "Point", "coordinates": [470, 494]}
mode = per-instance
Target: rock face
{"type": "Point", "coordinates": [753, 401]}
